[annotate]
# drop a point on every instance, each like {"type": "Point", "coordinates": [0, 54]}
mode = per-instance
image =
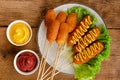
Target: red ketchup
{"type": "Point", "coordinates": [26, 62]}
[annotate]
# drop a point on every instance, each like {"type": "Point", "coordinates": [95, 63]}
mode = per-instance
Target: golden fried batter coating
{"type": "Point", "coordinates": [88, 53]}
{"type": "Point", "coordinates": [87, 39]}
{"type": "Point", "coordinates": [52, 31]}
{"type": "Point", "coordinates": [72, 21]}
{"type": "Point", "coordinates": [61, 17]}
{"type": "Point", "coordinates": [49, 17]}
{"type": "Point", "coordinates": [62, 34]}
{"type": "Point", "coordinates": [80, 30]}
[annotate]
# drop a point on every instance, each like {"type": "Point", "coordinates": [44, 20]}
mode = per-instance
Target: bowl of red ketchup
{"type": "Point", "coordinates": [26, 62]}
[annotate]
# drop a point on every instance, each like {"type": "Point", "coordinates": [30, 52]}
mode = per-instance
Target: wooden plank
{"type": "Point", "coordinates": [115, 43]}
{"type": "Point", "coordinates": [110, 69]}
{"type": "Point", "coordinates": [7, 53]}
{"type": "Point", "coordinates": [33, 11]}
{"type": "Point", "coordinates": [27, 10]}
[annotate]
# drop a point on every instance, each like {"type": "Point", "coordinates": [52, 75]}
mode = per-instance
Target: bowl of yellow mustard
{"type": "Point", "coordinates": [19, 33]}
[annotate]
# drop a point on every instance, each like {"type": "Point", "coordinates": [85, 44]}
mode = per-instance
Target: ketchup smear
{"type": "Point", "coordinates": [26, 62]}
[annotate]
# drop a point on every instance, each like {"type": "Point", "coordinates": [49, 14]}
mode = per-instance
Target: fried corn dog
{"type": "Point", "coordinates": [80, 30]}
{"type": "Point", "coordinates": [72, 21]}
{"type": "Point", "coordinates": [87, 39]}
{"type": "Point", "coordinates": [88, 53]}
{"type": "Point", "coordinates": [52, 31]}
{"type": "Point", "coordinates": [49, 17]}
{"type": "Point", "coordinates": [61, 17]}
{"type": "Point", "coordinates": [62, 34]}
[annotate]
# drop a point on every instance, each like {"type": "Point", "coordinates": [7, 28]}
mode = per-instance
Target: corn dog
{"type": "Point", "coordinates": [52, 31]}
{"type": "Point", "coordinates": [49, 17]}
{"type": "Point", "coordinates": [61, 17]}
{"type": "Point", "coordinates": [80, 30]}
{"type": "Point", "coordinates": [88, 53]}
{"type": "Point", "coordinates": [87, 39]}
{"type": "Point", "coordinates": [62, 34]}
{"type": "Point", "coordinates": [72, 21]}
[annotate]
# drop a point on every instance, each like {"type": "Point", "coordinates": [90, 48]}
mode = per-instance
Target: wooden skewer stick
{"type": "Point", "coordinates": [59, 64]}
{"type": "Point", "coordinates": [39, 71]}
{"type": "Point", "coordinates": [66, 58]}
{"type": "Point", "coordinates": [45, 76]}
{"type": "Point", "coordinates": [53, 62]}
{"type": "Point", "coordinates": [48, 68]}
{"type": "Point", "coordinates": [66, 66]}
{"type": "Point", "coordinates": [61, 48]}
{"type": "Point", "coordinates": [56, 61]}
{"type": "Point", "coordinates": [57, 58]}
{"type": "Point", "coordinates": [47, 71]}
{"type": "Point", "coordinates": [44, 62]}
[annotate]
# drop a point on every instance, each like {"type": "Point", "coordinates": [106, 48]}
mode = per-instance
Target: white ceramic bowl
{"type": "Point", "coordinates": [26, 73]}
{"type": "Point", "coordinates": [8, 29]}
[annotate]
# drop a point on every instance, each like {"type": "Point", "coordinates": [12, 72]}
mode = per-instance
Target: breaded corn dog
{"type": "Point", "coordinates": [87, 39]}
{"type": "Point", "coordinates": [80, 30]}
{"type": "Point", "coordinates": [61, 17]}
{"type": "Point", "coordinates": [62, 34]}
{"type": "Point", "coordinates": [72, 21]}
{"type": "Point", "coordinates": [52, 31]}
{"type": "Point", "coordinates": [88, 53]}
{"type": "Point", "coordinates": [49, 17]}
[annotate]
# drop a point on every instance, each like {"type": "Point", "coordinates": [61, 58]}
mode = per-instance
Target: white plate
{"type": "Point", "coordinates": [52, 52]}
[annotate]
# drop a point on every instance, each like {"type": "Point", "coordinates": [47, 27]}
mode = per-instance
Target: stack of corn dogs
{"type": "Point", "coordinates": [64, 29]}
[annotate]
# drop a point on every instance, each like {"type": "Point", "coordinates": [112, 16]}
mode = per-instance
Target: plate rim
{"type": "Point", "coordinates": [67, 4]}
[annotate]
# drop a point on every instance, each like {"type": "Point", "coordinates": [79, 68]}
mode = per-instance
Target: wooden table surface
{"type": "Point", "coordinates": [33, 12]}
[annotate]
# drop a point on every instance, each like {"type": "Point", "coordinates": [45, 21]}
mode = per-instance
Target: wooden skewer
{"type": "Point", "coordinates": [47, 71]}
{"type": "Point", "coordinates": [47, 75]}
{"type": "Point", "coordinates": [54, 68]}
{"type": "Point", "coordinates": [44, 62]}
{"type": "Point", "coordinates": [44, 66]}
{"type": "Point", "coordinates": [53, 62]}
{"type": "Point", "coordinates": [39, 71]}
{"type": "Point", "coordinates": [66, 66]}
{"type": "Point", "coordinates": [49, 67]}
{"type": "Point", "coordinates": [59, 64]}
{"type": "Point", "coordinates": [66, 58]}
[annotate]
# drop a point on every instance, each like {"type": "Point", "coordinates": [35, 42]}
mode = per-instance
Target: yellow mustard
{"type": "Point", "coordinates": [90, 37]}
{"type": "Point", "coordinates": [81, 29]}
{"type": "Point", "coordinates": [19, 33]}
{"type": "Point", "coordinates": [89, 52]}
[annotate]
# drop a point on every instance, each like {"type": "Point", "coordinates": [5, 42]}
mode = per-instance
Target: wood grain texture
{"type": "Point", "coordinates": [7, 54]}
{"type": "Point", "coordinates": [33, 11]}
{"type": "Point", "coordinates": [110, 69]}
